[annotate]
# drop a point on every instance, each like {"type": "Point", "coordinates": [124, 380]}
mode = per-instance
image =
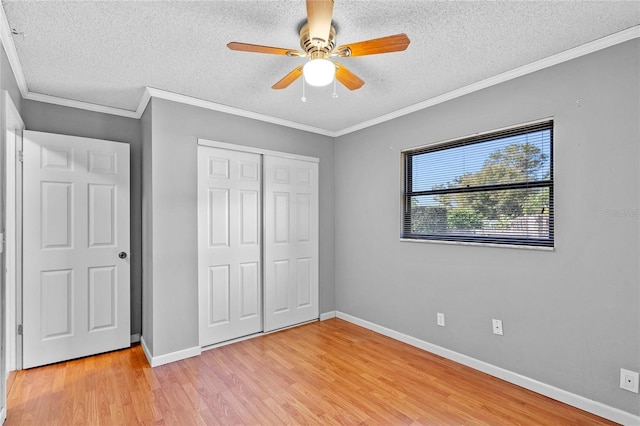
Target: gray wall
{"type": "Point", "coordinates": [8, 80]}
{"type": "Point", "coordinates": [51, 118]}
{"type": "Point", "coordinates": [571, 316]}
{"type": "Point", "coordinates": [175, 129]}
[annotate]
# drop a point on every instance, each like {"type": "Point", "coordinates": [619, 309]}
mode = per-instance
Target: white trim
{"type": "Point", "coordinates": [201, 103]}
{"type": "Point", "coordinates": [11, 120]}
{"type": "Point", "coordinates": [135, 338]}
{"type": "Point", "coordinates": [170, 357]}
{"type": "Point", "coordinates": [244, 148]}
{"type": "Point", "coordinates": [594, 407]}
{"type": "Point", "coordinates": [144, 101]}
{"type": "Point", "coordinates": [145, 349]}
{"type": "Point", "coordinates": [327, 315]}
{"type": "Point", "coordinates": [476, 244]}
{"type": "Point", "coordinates": [567, 55]}
{"type": "Point", "coordinates": [80, 105]}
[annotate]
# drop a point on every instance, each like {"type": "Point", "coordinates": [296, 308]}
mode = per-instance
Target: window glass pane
{"type": "Point", "coordinates": [520, 158]}
{"type": "Point", "coordinates": [510, 213]}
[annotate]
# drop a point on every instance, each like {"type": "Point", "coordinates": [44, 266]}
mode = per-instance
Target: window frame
{"type": "Point", "coordinates": [407, 194]}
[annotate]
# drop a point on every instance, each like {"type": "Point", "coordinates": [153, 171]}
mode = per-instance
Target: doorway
{"type": "Point", "coordinates": [11, 301]}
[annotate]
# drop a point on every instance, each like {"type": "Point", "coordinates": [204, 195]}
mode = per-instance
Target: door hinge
{"type": "Point", "coordinates": [20, 156]}
{"type": "Point", "coordinates": [19, 329]}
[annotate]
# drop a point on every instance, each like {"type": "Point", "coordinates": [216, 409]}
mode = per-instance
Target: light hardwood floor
{"type": "Point", "coordinates": [330, 372]}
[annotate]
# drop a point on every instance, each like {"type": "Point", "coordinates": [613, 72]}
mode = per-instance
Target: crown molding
{"type": "Point", "coordinates": [144, 101]}
{"type": "Point", "coordinates": [32, 96]}
{"type": "Point", "coordinates": [175, 97]}
{"type": "Point", "coordinates": [149, 92]}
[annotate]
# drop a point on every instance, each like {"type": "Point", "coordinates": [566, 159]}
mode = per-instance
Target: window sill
{"type": "Point", "coordinates": [469, 243]}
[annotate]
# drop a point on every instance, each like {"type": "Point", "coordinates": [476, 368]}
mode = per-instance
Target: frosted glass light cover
{"type": "Point", "coordinates": [319, 72]}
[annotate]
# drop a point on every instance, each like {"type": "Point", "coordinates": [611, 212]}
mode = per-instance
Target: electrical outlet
{"type": "Point", "coordinates": [497, 327]}
{"type": "Point", "coordinates": [440, 318]}
{"type": "Point", "coordinates": [629, 380]}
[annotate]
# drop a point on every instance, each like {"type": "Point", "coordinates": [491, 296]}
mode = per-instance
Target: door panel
{"type": "Point", "coordinates": [229, 244]}
{"type": "Point", "coordinates": [102, 215]}
{"type": "Point", "coordinates": [250, 217]}
{"type": "Point", "coordinates": [249, 290]}
{"type": "Point", "coordinates": [219, 294]}
{"type": "Point", "coordinates": [76, 222]}
{"type": "Point", "coordinates": [218, 217]}
{"type": "Point", "coordinates": [303, 281]}
{"type": "Point", "coordinates": [102, 298]}
{"type": "Point", "coordinates": [291, 241]}
{"type": "Point", "coordinates": [56, 287]}
{"type": "Point", "coordinates": [281, 217]}
{"type": "Point", "coordinates": [57, 202]}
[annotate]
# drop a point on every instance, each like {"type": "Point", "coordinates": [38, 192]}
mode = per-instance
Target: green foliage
{"type": "Point", "coordinates": [427, 219]}
{"type": "Point", "coordinates": [513, 163]}
{"type": "Point", "coordinates": [537, 203]}
{"type": "Point", "coordinates": [464, 218]}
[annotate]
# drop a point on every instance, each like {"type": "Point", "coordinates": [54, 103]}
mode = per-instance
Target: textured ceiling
{"type": "Point", "coordinates": [106, 52]}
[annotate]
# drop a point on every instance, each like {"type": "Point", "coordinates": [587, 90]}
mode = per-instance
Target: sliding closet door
{"type": "Point", "coordinates": [229, 244]}
{"type": "Point", "coordinates": [290, 241]}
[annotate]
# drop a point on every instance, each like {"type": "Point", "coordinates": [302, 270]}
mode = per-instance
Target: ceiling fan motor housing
{"type": "Point", "coordinates": [316, 48]}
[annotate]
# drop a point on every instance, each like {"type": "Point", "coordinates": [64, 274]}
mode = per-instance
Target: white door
{"type": "Point", "coordinates": [291, 241]}
{"type": "Point", "coordinates": [76, 247]}
{"type": "Point", "coordinates": [229, 244]}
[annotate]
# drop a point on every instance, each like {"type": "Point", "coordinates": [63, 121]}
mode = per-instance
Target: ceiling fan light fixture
{"type": "Point", "coordinates": [319, 72]}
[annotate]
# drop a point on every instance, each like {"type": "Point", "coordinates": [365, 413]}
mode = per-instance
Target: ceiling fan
{"type": "Point", "coordinates": [318, 42]}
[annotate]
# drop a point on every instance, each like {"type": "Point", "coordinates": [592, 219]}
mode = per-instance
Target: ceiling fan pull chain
{"type": "Point", "coordinates": [334, 94]}
{"type": "Point", "coordinates": [303, 98]}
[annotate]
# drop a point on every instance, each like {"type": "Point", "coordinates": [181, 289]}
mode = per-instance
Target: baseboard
{"type": "Point", "coordinates": [155, 361]}
{"type": "Point", "coordinates": [594, 407]}
{"type": "Point", "coordinates": [145, 349]}
{"type": "Point", "coordinates": [327, 315]}
{"type": "Point", "coordinates": [135, 338]}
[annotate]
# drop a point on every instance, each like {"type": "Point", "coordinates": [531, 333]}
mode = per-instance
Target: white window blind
{"type": "Point", "coordinates": [491, 188]}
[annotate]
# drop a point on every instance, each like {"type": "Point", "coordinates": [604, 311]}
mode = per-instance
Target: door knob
{"type": "Point", "coordinates": [122, 255]}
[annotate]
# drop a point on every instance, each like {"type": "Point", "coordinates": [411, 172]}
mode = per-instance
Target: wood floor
{"type": "Point", "coordinates": [329, 372]}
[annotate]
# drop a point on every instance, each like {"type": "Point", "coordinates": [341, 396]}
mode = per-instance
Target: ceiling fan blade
{"type": "Point", "coordinates": [256, 48]}
{"type": "Point", "coordinates": [394, 43]}
{"type": "Point", "coordinates": [288, 79]}
{"type": "Point", "coordinates": [347, 78]}
{"type": "Point", "coordinates": [319, 14]}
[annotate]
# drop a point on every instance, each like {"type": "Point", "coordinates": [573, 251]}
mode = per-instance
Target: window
{"type": "Point", "coordinates": [491, 188]}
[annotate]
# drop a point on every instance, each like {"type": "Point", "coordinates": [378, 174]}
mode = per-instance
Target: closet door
{"type": "Point", "coordinates": [229, 244]}
{"type": "Point", "coordinates": [290, 242]}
